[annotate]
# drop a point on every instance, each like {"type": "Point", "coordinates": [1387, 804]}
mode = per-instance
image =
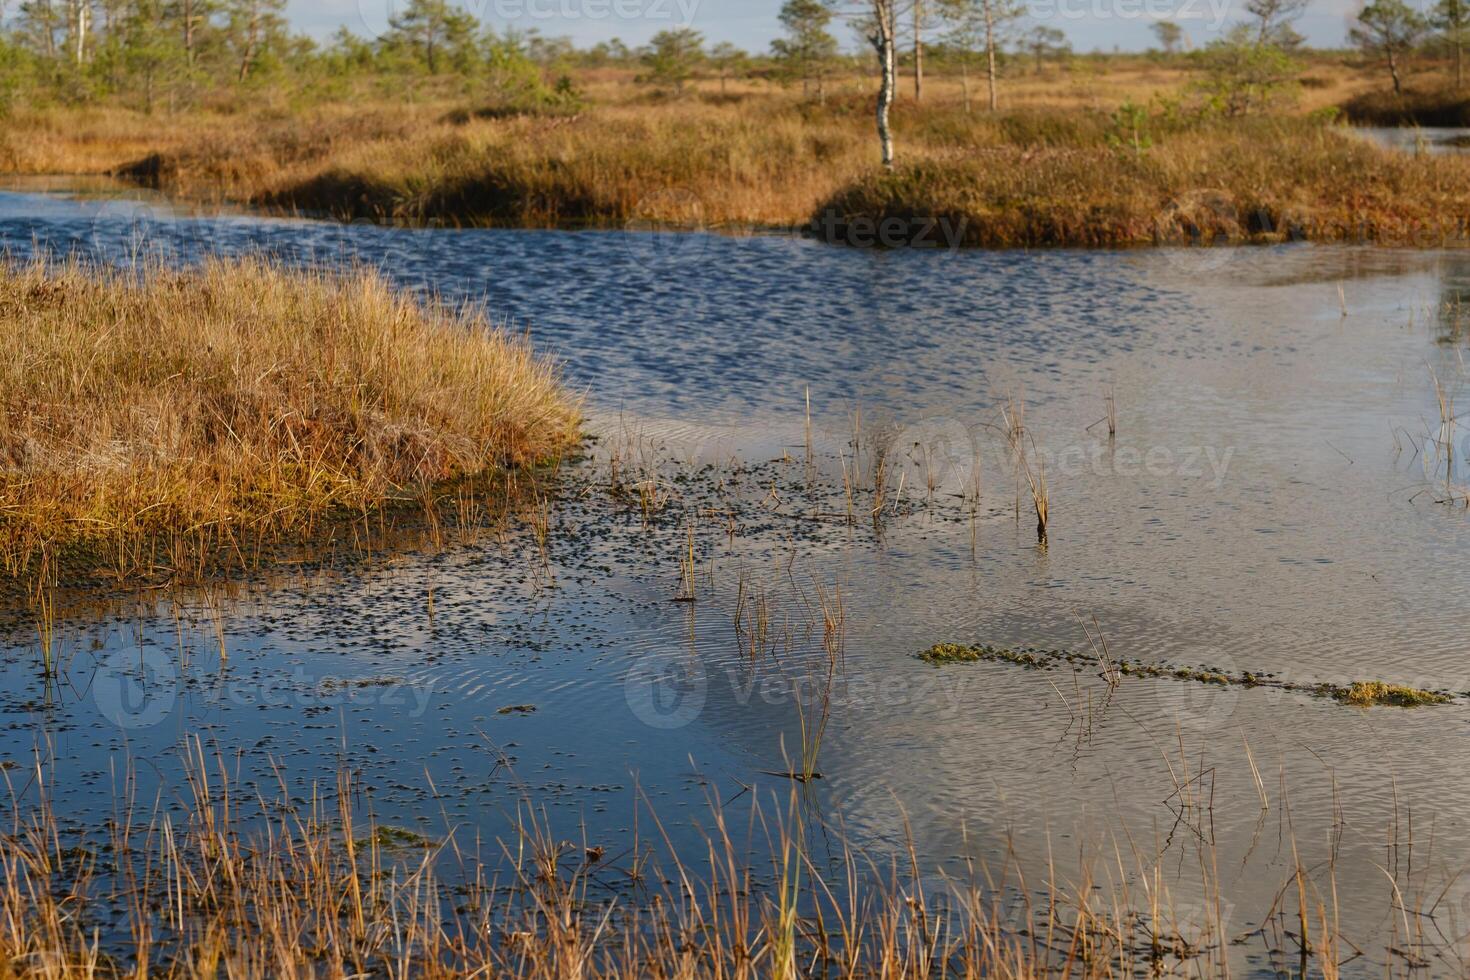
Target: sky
{"type": "Point", "coordinates": [752, 24]}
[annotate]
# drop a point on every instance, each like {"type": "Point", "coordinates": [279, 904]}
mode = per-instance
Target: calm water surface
{"type": "Point", "coordinates": [1268, 505]}
{"type": "Point", "coordinates": [1418, 139]}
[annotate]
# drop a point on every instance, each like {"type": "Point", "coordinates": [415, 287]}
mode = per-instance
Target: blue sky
{"type": "Point", "coordinates": [1090, 24]}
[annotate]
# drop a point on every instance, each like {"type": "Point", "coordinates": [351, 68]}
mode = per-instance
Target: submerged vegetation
{"type": "Point", "coordinates": [150, 414]}
{"type": "Point", "coordinates": [1363, 694]}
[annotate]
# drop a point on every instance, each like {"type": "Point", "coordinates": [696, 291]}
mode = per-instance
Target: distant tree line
{"type": "Point", "coordinates": [152, 53]}
{"type": "Point", "coordinates": [173, 53]}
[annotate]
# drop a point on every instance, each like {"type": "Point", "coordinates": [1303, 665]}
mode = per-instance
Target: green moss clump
{"type": "Point", "coordinates": [1367, 694]}
{"type": "Point", "coordinates": [950, 653]}
{"type": "Point", "coordinates": [955, 653]}
{"type": "Point", "coordinates": [397, 838]}
{"type": "Point", "coordinates": [1361, 693]}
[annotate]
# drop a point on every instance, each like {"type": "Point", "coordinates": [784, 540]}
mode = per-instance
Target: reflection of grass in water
{"type": "Point", "coordinates": [1359, 693]}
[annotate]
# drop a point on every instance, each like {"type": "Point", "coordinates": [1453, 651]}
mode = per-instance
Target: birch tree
{"type": "Point", "coordinates": [878, 22]}
{"type": "Point", "coordinates": [79, 29]}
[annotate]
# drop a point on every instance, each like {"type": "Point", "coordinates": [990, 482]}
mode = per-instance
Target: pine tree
{"type": "Point", "coordinates": [193, 19]}
{"type": "Point", "coordinates": [1451, 18]}
{"type": "Point", "coordinates": [39, 24]}
{"type": "Point", "coordinates": [808, 47]}
{"type": "Point", "coordinates": [255, 28]}
{"type": "Point", "coordinates": [1389, 28]}
{"type": "Point", "coordinates": [672, 56]}
{"type": "Point", "coordinates": [432, 28]}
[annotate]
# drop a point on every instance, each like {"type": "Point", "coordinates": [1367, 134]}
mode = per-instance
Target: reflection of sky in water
{"type": "Point", "coordinates": [1252, 515]}
{"type": "Point", "coordinates": [1417, 139]}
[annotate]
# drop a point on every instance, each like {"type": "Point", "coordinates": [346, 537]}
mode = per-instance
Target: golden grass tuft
{"type": "Point", "coordinates": [241, 399]}
{"type": "Point", "coordinates": [1367, 694]}
{"type": "Point", "coordinates": [1228, 181]}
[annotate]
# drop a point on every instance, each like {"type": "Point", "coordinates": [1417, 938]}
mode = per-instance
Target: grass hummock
{"type": "Point", "coordinates": [1431, 106]}
{"type": "Point", "coordinates": [1363, 694]}
{"type": "Point", "coordinates": [1145, 165]}
{"type": "Point", "coordinates": [149, 414]}
{"type": "Point", "coordinates": [1366, 694]}
{"type": "Point", "coordinates": [1214, 183]}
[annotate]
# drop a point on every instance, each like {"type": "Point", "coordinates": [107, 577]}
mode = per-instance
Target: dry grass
{"type": "Point", "coordinates": [150, 413]}
{"type": "Point", "coordinates": [247, 882]}
{"type": "Point", "coordinates": [1266, 179]}
{"type": "Point", "coordinates": [230, 885]}
{"type": "Point", "coordinates": [1048, 169]}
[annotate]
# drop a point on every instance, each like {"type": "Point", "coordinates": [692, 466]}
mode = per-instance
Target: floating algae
{"type": "Point", "coordinates": [1364, 694]}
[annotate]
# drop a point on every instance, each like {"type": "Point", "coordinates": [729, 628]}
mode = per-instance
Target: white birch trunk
{"type": "Point", "coordinates": [886, 41]}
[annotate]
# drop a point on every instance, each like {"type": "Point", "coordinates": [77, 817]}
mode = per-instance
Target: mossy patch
{"type": "Point", "coordinates": [955, 653]}
{"type": "Point", "coordinates": [389, 838]}
{"type": "Point", "coordinates": [1365, 694]}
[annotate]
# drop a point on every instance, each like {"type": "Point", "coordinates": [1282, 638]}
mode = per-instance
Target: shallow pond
{"type": "Point", "coordinates": [1419, 139]}
{"type": "Point", "coordinates": [1271, 503]}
